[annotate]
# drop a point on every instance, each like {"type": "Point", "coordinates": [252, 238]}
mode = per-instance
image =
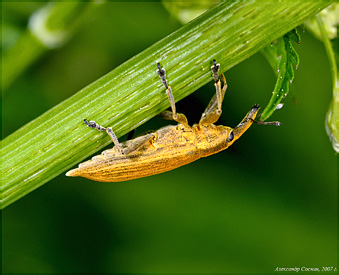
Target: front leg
{"type": "Point", "coordinates": [213, 110]}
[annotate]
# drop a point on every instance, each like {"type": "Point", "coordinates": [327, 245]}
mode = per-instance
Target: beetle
{"type": "Point", "coordinates": [169, 147]}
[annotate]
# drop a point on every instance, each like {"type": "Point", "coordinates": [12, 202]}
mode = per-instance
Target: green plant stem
{"type": "Point", "coordinates": [132, 93]}
{"type": "Point", "coordinates": [332, 117]}
{"type": "Point", "coordinates": [329, 50]}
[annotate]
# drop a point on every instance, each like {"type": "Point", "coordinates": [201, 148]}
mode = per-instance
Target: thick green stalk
{"type": "Point", "coordinates": [332, 117]}
{"type": "Point", "coordinates": [132, 93]}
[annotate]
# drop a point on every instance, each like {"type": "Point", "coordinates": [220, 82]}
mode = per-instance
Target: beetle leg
{"type": "Point", "coordinates": [168, 115]}
{"type": "Point", "coordinates": [94, 125]}
{"type": "Point", "coordinates": [132, 145]}
{"type": "Point", "coordinates": [136, 143]}
{"type": "Point", "coordinates": [109, 131]}
{"type": "Point", "coordinates": [213, 110]}
{"type": "Point", "coordinates": [180, 118]}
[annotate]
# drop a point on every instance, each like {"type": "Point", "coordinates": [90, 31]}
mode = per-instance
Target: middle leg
{"type": "Point", "coordinates": [213, 110]}
{"type": "Point", "coordinates": [180, 118]}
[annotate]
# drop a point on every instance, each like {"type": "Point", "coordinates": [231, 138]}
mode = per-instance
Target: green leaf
{"type": "Point", "coordinates": [283, 59]}
{"type": "Point", "coordinates": [132, 93]}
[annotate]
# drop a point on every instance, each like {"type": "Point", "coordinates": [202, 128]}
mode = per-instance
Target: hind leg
{"type": "Point", "coordinates": [133, 144]}
{"type": "Point", "coordinates": [109, 131]}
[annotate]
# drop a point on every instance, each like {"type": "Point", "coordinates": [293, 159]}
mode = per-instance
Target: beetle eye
{"type": "Point", "coordinates": [230, 136]}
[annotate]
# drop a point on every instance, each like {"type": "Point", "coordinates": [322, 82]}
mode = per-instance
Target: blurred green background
{"type": "Point", "coordinates": [268, 201]}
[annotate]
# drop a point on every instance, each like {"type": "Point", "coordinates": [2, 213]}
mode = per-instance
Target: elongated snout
{"type": "Point", "coordinates": [246, 122]}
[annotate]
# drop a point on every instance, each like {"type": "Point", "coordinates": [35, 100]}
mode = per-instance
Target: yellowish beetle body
{"type": "Point", "coordinates": [169, 147]}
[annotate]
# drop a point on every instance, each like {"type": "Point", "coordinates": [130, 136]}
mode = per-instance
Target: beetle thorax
{"type": "Point", "coordinates": [211, 139]}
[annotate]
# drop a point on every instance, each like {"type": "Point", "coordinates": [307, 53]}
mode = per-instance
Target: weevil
{"type": "Point", "coordinates": [169, 147]}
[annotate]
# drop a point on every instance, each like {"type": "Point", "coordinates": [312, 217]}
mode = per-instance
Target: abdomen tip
{"type": "Point", "coordinates": [72, 173]}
